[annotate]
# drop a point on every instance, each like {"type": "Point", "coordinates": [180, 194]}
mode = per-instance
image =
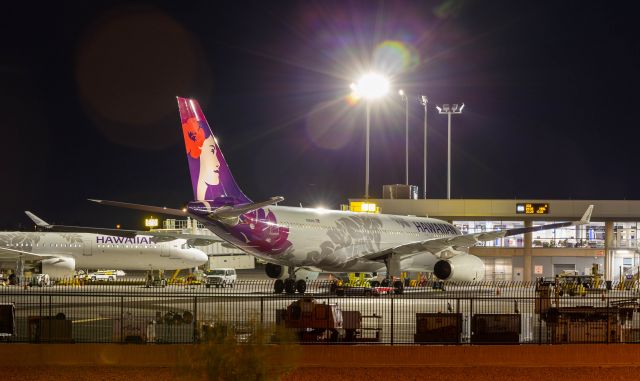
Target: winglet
{"type": "Point", "coordinates": [586, 217]}
{"type": "Point", "coordinates": [38, 221]}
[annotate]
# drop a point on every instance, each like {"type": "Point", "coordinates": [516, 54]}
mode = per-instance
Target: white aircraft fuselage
{"type": "Point", "coordinates": [330, 240]}
{"type": "Point", "coordinates": [64, 252]}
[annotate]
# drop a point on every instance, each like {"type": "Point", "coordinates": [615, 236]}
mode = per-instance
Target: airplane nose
{"type": "Point", "coordinates": [199, 257]}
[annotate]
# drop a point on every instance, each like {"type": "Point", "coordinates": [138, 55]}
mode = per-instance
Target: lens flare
{"type": "Point", "coordinates": [395, 57]}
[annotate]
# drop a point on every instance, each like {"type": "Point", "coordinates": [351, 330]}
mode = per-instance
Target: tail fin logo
{"type": "Point", "coordinates": [210, 175]}
{"type": "Point", "coordinates": [205, 150]}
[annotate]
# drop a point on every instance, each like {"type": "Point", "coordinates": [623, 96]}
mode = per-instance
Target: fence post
{"type": "Point", "coordinates": [608, 319]}
{"type": "Point", "coordinates": [540, 317]}
{"type": "Point", "coordinates": [262, 311]}
{"type": "Point", "coordinates": [461, 321]}
{"type": "Point", "coordinates": [392, 320]}
{"type": "Point", "coordinates": [121, 319]}
{"type": "Point", "coordinates": [195, 319]}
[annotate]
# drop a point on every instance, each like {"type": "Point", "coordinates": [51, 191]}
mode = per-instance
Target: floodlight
{"type": "Point", "coordinates": [401, 92]}
{"type": "Point", "coordinates": [449, 109]}
{"type": "Point", "coordinates": [372, 86]}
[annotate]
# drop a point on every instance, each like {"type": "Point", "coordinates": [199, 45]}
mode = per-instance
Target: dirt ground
{"type": "Point", "coordinates": [351, 374]}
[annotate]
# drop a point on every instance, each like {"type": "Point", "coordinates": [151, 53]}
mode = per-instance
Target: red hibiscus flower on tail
{"type": "Point", "coordinates": [193, 137]}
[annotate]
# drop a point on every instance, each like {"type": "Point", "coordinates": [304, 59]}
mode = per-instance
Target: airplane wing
{"type": "Point", "coordinates": [6, 253]}
{"type": "Point", "coordinates": [194, 239]}
{"type": "Point", "coordinates": [146, 208]}
{"type": "Point", "coordinates": [438, 245]}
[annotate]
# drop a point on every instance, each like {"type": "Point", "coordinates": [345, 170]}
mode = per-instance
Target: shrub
{"type": "Point", "coordinates": [233, 352]}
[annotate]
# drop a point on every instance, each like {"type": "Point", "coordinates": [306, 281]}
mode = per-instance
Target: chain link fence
{"type": "Point", "coordinates": [126, 311]}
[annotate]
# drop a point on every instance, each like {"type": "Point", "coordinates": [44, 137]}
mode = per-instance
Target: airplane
{"type": "Point", "coordinates": [60, 253]}
{"type": "Point", "coordinates": [304, 239]}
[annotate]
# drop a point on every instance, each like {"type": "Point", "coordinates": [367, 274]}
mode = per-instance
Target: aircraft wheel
{"type": "Point", "coordinates": [301, 286]}
{"type": "Point", "coordinates": [290, 286]}
{"type": "Point", "coordinates": [278, 286]}
{"type": "Point", "coordinates": [398, 287]}
{"type": "Point", "coordinates": [386, 282]}
{"type": "Point", "coordinates": [375, 283]}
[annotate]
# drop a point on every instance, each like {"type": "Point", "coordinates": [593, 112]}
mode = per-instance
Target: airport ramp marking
{"type": "Point", "coordinates": [90, 320]}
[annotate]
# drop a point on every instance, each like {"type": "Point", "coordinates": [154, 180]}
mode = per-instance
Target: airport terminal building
{"type": "Point", "coordinates": [610, 240]}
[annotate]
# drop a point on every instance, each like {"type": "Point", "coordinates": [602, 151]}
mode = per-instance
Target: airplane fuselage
{"type": "Point", "coordinates": [96, 251]}
{"type": "Point", "coordinates": [328, 240]}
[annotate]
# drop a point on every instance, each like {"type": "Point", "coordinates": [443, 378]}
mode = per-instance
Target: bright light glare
{"type": "Point", "coordinates": [401, 92]}
{"type": "Point", "coordinates": [371, 86]}
{"type": "Point", "coordinates": [320, 209]}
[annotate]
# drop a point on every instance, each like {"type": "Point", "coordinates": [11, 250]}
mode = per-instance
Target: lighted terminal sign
{"type": "Point", "coordinates": [532, 208]}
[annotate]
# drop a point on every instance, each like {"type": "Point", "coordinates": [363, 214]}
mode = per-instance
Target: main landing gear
{"type": "Point", "coordinates": [290, 285]}
{"type": "Point", "coordinates": [393, 267]}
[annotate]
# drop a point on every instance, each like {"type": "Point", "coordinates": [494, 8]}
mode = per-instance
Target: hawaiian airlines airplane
{"type": "Point", "coordinates": [303, 239]}
{"type": "Point", "coordinates": [60, 253]}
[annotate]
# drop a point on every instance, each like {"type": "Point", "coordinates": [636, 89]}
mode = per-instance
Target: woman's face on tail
{"type": "Point", "coordinates": [209, 164]}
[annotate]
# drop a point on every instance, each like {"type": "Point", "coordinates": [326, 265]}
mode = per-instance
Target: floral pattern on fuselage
{"type": "Point", "coordinates": [19, 240]}
{"type": "Point", "coordinates": [260, 230]}
{"type": "Point", "coordinates": [361, 233]}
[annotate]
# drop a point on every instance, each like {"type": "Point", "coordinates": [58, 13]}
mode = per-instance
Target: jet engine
{"type": "Point", "coordinates": [59, 267]}
{"type": "Point", "coordinates": [274, 271]}
{"type": "Point", "coordinates": [281, 272]}
{"type": "Point", "coordinates": [461, 268]}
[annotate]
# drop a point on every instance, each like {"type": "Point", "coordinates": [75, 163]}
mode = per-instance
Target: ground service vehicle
{"type": "Point", "coordinates": [312, 319]}
{"type": "Point", "coordinates": [103, 275]}
{"type": "Point", "coordinates": [220, 277]}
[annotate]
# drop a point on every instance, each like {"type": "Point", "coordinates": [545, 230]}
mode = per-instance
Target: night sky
{"type": "Point", "coordinates": [87, 100]}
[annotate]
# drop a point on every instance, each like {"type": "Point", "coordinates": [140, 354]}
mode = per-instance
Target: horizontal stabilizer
{"type": "Point", "coordinates": [146, 208]}
{"type": "Point", "coordinates": [231, 213]}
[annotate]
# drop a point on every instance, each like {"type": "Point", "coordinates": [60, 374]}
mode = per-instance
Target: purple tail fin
{"type": "Point", "coordinates": [210, 175]}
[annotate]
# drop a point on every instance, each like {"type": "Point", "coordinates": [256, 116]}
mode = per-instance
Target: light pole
{"type": "Point", "coordinates": [449, 110]}
{"type": "Point", "coordinates": [406, 133]}
{"type": "Point", "coordinates": [370, 86]}
{"type": "Point", "coordinates": [424, 101]}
